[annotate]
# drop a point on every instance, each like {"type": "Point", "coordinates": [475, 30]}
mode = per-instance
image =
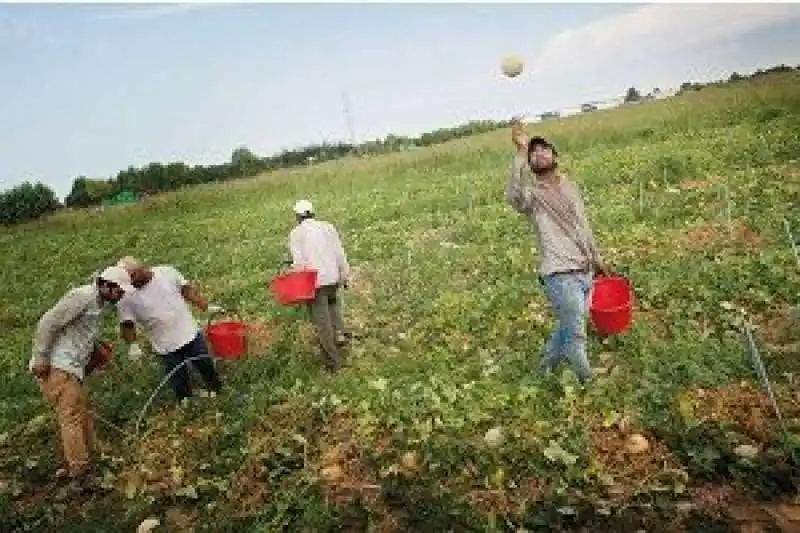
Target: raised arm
{"type": "Point", "coordinates": [518, 193]}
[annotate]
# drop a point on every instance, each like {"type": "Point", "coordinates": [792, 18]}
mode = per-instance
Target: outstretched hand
{"type": "Point", "coordinates": [213, 308]}
{"type": "Point", "coordinates": [135, 351]}
{"type": "Point", "coordinates": [602, 268]}
{"type": "Point", "coordinates": [40, 370]}
{"type": "Point", "coordinates": [518, 135]}
{"type": "Point", "coordinates": [100, 356]}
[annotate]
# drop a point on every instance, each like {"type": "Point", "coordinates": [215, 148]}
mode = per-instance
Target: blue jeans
{"type": "Point", "coordinates": [205, 366]}
{"type": "Point", "coordinates": [568, 293]}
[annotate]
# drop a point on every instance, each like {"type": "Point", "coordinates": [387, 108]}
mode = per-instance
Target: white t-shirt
{"type": "Point", "coordinates": [160, 308]}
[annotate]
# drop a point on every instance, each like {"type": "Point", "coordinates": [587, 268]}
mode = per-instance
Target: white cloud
{"type": "Point", "coordinates": [145, 11]}
{"type": "Point", "coordinates": [652, 31]}
{"type": "Point", "coordinates": [12, 29]}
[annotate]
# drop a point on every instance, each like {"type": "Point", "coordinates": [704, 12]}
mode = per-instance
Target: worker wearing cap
{"type": "Point", "coordinates": [65, 352]}
{"type": "Point", "coordinates": [315, 244]}
{"type": "Point", "coordinates": [568, 253]}
{"type": "Point", "coordinates": [160, 306]}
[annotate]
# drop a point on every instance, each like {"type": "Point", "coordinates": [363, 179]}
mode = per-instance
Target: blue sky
{"type": "Point", "coordinates": [90, 89]}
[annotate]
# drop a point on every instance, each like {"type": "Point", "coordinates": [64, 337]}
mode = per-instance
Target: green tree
{"type": "Point", "coordinates": [27, 201]}
{"type": "Point", "coordinates": [245, 163]}
{"type": "Point", "coordinates": [86, 192]}
{"type": "Point", "coordinates": [633, 95]}
{"type": "Point", "coordinates": [79, 195]}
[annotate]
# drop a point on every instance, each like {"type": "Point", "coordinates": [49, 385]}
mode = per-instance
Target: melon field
{"type": "Point", "coordinates": [439, 421]}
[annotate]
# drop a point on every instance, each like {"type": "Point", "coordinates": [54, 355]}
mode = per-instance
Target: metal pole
{"type": "Point", "coordinates": [762, 373]}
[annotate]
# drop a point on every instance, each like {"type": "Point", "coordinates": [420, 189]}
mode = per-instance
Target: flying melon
{"type": "Point", "coordinates": [511, 66]}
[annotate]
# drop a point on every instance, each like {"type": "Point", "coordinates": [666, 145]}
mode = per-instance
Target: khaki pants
{"type": "Point", "coordinates": [69, 397]}
{"type": "Point", "coordinates": [326, 315]}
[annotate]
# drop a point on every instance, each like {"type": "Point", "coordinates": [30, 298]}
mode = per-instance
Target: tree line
{"type": "Point", "coordinates": [159, 177]}
{"type": "Point", "coordinates": [29, 201]}
{"type": "Point", "coordinates": [634, 95]}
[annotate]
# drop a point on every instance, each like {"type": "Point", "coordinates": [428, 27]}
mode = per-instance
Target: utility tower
{"type": "Point", "coordinates": [348, 117]}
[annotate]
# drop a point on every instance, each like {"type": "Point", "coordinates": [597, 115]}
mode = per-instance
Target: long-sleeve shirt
{"type": "Point", "coordinates": [558, 216]}
{"type": "Point", "coordinates": [65, 335]}
{"type": "Point", "coordinates": [316, 244]}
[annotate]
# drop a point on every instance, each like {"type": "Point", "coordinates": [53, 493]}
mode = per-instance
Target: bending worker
{"type": "Point", "coordinates": [315, 244]}
{"type": "Point", "coordinates": [159, 304]}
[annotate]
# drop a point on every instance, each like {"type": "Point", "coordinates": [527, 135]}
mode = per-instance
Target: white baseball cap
{"type": "Point", "coordinates": [302, 207]}
{"type": "Point", "coordinates": [129, 263]}
{"type": "Point", "coordinates": [118, 275]}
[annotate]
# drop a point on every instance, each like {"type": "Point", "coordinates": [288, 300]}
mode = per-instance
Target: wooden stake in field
{"type": "Point", "coordinates": [724, 197]}
{"type": "Point", "coordinates": [641, 198]}
{"type": "Point", "coordinates": [728, 211]}
{"type": "Point", "coordinates": [471, 202]}
{"type": "Point", "coordinates": [765, 143]}
{"type": "Point", "coordinates": [791, 241]}
{"type": "Point", "coordinates": [468, 192]}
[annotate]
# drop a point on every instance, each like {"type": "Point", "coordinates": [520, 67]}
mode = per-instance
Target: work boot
{"type": "Point", "coordinates": [343, 338]}
{"type": "Point", "coordinates": [545, 367]}
{"type": "Point", "coordinates": [78, 485]}
{"type": "Point", "coordinates": [332, 365]}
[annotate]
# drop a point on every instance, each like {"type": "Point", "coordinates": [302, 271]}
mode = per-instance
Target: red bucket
{"type": "Point", "coordinates": [228, 338]}
{"type": "Point", "coordinates": [611, 304]}
{"type": "Point", "coordinates": [295, 286]}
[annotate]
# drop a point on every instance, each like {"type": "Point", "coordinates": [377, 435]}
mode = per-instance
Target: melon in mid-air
{"type": "Point", "coordinates": [512, 66]}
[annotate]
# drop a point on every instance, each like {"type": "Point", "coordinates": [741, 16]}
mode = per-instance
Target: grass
{"type": "Point", "coordinates": [449, 317]}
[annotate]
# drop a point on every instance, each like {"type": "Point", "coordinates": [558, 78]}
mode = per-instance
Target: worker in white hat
{"type": "Point", "coordinates": [315, 244]}
{"type": "Point", "coordinates": [160, 306]}
{"type": "Point", "coordinates": [65, 352]}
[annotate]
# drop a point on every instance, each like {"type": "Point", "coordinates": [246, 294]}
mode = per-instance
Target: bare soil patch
{"type": "Point", "coordinates": [711, 235]}
{"type": "Point", "coordinates": [746, 405]}
{"type": "Point", "coordinates": [636, 458]}
{"type": "Point", "coordinates": [346, 477]}
{"type": "Point", "coordinates": [180, 520]}
{"type": "Point", "coordinates": [712, 498]}
{"type": "Point", "coordinates": [780, 330]}
{"type": "Point", "coordinates": [695, 184]}
{"type": "Point", "coordinates": [759, 518]}
{"type": "Point", "coordinates": [261, 333]}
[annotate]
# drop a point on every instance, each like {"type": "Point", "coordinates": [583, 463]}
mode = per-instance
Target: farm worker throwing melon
{"type": "Point", "coordinates": [567, 250]}
{"type": "Point", "coordinates": [65, 352]}
{"type": "Point", "coordinates": [315, 244]}
{"type": "Point", "coordinates": [159, 304]}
